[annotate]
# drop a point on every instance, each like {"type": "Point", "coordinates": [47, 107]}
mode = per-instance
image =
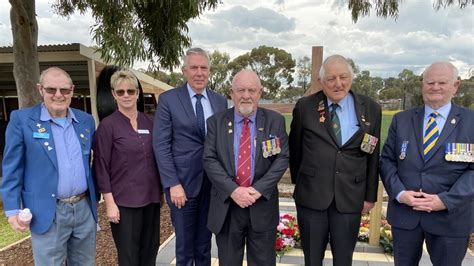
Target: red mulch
{"type": "Point", "coordinates": [106, 253]}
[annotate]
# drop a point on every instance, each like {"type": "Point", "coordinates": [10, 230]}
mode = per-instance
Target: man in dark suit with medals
{"type": "Point", "coordinates": [245, 155]}
{"type": "Point", "coordinates": [428, 172]}
{"type": "Point", "coordinates": [334, 156]}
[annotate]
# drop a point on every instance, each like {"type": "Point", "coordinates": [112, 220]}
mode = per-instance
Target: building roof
{"type": "Point", "coordinates": [74, 58]}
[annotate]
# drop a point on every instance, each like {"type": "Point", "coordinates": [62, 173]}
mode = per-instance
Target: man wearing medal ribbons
{"type": "Point", "coordinates": [245, 155]}
{"type": "Point", "coordinates": [427, 170]}
{"type": "Point", "coordinates": [334, 163]}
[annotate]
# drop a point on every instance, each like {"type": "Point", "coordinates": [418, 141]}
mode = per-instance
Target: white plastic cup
{"type": "Point", "coordinates": [24, 217]}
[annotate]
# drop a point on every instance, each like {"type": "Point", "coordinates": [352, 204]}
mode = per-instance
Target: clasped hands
{"type": "Point", "coordinates": [421, 201]}
{"type": "Point", "coordinates": [245, 196]}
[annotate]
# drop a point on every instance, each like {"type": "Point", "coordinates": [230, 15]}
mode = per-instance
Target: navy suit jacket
{"type": "Point", "coordinates": [219, 163]}
{"type": "Point", "coordinates": [177, 142]}
{"type": "Point", "coordinates": [453, 182]}
{"type": "Point", "coordinates": [30, 167]}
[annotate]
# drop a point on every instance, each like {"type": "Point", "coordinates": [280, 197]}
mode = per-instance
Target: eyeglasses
{"type": "Point", "coordinates": [53, 91]}
{"type": "Point", "coordinates": [121, 93]}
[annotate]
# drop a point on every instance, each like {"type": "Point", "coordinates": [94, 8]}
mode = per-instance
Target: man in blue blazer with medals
{"type": "Point", "coordinates": [428, 171]}
{"type": "Point", "coordinates": [178, 141]}
{"type": "Point", "coordinates": [46, 168]}
{"type": "Point", "coordinates": [334, 158]}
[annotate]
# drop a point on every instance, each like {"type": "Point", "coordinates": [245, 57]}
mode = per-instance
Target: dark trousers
{"type": "Point", "coordinates": [238, 232]}
{"type": "Point", "coordinates": [317, 228]}
{"type": "Point", "coordinates": [137, 236]}
{"type": "Point", "coordinates": [193, 239]}
{"type": "Point", "coordinates": [443, 250]}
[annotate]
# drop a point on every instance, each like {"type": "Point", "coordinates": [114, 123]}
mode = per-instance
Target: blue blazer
{"type": "Point", "coordinates": [453, 182]}
{"type": "Point", "coordinates": [30, 169]}
{"type": "Point", "coordinates": [177, 142]}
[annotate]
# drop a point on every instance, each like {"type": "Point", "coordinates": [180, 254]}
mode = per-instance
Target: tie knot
{"type": "Point", "coordinates": [434, 114]}
{"type": "Point", "coordinates": [246, 121]}
{"type": "Point", "coordinates": [198, 96]}
{"type": "Point", "coordinates": [334, 106]}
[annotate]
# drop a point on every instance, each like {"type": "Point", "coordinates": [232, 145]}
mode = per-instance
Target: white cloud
{"type": "Point", "coordinates": [385, 47]}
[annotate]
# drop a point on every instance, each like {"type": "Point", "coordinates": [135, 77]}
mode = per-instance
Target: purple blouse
{"type": "Point", "coordinates": [124, 162]}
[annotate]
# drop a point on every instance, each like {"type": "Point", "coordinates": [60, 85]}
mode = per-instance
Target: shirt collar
{"type": "Point", "coordinates": [343, 103]}
{"type": "Point", "coordinates": [443, 110]}
{"type": "Point", "coordinates": [45, 116]}
{"type": "Point", "coordinates": [192, 92]}
{"type": "Point", "coordinates": [238, 118]}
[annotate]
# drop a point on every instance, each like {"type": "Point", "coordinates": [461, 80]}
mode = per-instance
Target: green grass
{"type": "Point", "coordinates": [386, 120]}
{"type": "Point", "coordinates": [7, 235]}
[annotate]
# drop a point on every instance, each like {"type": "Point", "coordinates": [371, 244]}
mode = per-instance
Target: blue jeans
{"type": "Point", "coordinates": [71, 237]}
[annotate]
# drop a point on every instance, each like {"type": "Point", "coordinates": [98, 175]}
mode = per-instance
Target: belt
{"type": "Point", "coordinates": [73, 199]}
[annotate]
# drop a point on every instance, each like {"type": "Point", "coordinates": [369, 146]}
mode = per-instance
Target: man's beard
{"type": "Point", "coordinates": [245, 109]}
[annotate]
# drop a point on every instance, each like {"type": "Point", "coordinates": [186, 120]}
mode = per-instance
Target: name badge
{"type": "Point", "coordinates": [38, 135]}
{"type": "Point", "coordinates": [143, 131]}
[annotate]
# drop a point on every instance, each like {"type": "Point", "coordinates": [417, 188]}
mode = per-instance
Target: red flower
{"type": "Point", "coordinates": [288, 231]}
{"type": "Point", "coordinates": [278, 244]}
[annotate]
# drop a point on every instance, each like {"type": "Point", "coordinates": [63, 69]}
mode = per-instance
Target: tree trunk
{"type": "Point", "coordinates": [25, 51]}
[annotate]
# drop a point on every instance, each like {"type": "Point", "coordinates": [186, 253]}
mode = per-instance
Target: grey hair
{"type": "Point", "coordinates": [196, 51]}
{"type": "Point", "coordinates": [336, 57]}
{"type": "Point", "coordinates": [444, 63]}
{"type": "Point", "coordinates": [123, 75]}
{"type": "Point", "coordinates": [46, 71]}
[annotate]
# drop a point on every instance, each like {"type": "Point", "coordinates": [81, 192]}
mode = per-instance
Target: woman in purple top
{"type": "Point", "coordinates": [127, 175]}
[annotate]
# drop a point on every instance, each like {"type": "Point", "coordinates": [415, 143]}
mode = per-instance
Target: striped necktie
{"type": "Point", "coordinates": [244, 173]}
{"type": "Point", "coordinates": [431, 135]}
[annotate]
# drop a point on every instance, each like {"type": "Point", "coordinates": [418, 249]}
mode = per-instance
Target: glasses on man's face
{"type": "Point", "coordinates": [53, 91]}
{"type": "Point", "coordinates": [121, 93]}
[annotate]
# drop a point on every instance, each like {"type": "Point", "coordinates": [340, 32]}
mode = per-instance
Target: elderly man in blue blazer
{"type": "Point", "coordinates": [428, 171]}
{"type": "Point", "coordinates": [178, 141]}
{"type": "Point", "coordinates": [46, 169]}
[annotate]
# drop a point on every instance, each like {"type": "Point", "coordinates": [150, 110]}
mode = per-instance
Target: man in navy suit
{"type": "Point", "coordinates": [46, 169]}
{"type": "Point", "coordinates": [178, 140]}
{"type": "Point", "coordinates": [427, 169]}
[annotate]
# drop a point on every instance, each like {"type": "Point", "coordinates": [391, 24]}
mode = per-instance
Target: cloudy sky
{"type": "Point", "coordinates": [385, 47]}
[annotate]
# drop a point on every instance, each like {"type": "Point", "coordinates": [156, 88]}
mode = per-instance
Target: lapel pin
{"type": "Point", "coordinates": [230, 131]}
{"type": "Point", "coordinates": [453, 121]}
{"type": "Point", "coordinates": [46, 143]}
{"type": "Point", "coordinates": [322, 119]}
{"type": "Point", "coordinates": [260, 129]}
{"type": "Point", "coordinates": [362, 118]}
{"type": "Point", "coordinates": [88, 130]}
{"type": "Point", "coordinates": [41, 130]}
{"type": "Point", "coordinates": [38, 125]}
{"type": "Point", "coordinates": [229, 124]}
{"type": "Point", "coordinates": [49, 148]}
{"type": "Point", "coordinates": [81, 135]}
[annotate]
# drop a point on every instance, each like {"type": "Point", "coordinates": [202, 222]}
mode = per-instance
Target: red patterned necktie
{"type": "Point", "coordinates": [244, 160]}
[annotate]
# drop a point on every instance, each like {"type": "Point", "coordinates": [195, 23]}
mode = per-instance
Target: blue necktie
{"type": "Point", "coordinates": [431, 134]}
{"type": "Point", "coordinates": [200, 115]}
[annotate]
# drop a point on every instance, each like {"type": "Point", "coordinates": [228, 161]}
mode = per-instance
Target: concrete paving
{"type": "Point", "coordinates": [364, 254]}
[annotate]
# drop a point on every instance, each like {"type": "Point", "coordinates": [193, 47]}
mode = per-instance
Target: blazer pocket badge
{"type": "Point", "coordinates": [368, 143]}
{"type": "Point", "coordinates": [271, 146]}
